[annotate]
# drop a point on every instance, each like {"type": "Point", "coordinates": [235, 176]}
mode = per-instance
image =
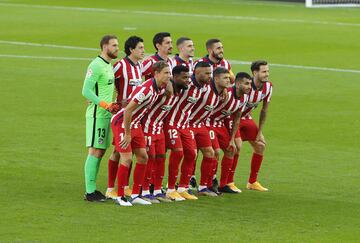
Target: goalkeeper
{"type": "Point", "coordinates": [98, 89]}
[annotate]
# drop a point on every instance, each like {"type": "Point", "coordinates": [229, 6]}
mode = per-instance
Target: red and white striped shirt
{"type": "Point", "coordinates": [147, 64]}
{"type": "Point", "coordinates": [227, 109]}
{"type": "Point", "coordinates": [154, 120]}
{"type": "Point", "coordinates": [205, 106]}
{"type": "Point", "coordinates": [127, 77]}
{"type": "Point", "coordinates": [255, 97]}
{"type": "Point", "coordinates": [223, 63]}
{"type": "Point", "coordinates": [178, 62]}
{"type": "Point", "coordinates": [144, 95]}
{"type": "Point", "coordinates": [179, 115]}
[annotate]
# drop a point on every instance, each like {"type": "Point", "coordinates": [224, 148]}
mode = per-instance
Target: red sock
{"type": "Point", "coordinates": [122, 179]}
{"type": "Point", "coordinates": [112, 171]}
{"type": "Point", "coordinates": [174, 161]}
{"type": "Point", "coordinates": [148, 174]}
{"type": "Point", "coordinates": [212, 173]}
{"type": "Point", "coordinates": [193, 171]}
{"type": "Point", "coordinates": [138, 179]}
{"type": "Point", "coordinates": [129, 174]}
{"type": "Point", "coordinates": [233, 169]}
{"type": "Point", "coordinates": [207, 166]}
{"type": "Point", "coordinates": [187, 168]}
{"type": "Point", "coordinates": [159, 167]}
{"type": "Point", "coordinates": [226, 164]}
{"type": "Point", "coordinates": [255, 167]}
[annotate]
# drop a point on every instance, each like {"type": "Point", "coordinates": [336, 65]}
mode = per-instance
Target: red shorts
{"type": "Point", "coordinates": [228, 122]}
{"type": "Point", "coordinates": [202, 137]}
{"type": "Point", "coordinates": [137, 137]}
{"type": "Point", "coordinates": [155, 143]}
{"type": "Point", "coordinates": [179, 138]}
{"type": "Point", "coordinates": [220, 137]}
{"type": "Point", "coordinates": [248, 130]}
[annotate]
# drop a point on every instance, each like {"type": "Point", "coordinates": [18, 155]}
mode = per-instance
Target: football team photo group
{"type": "Point", "coordinates": [142, 108]}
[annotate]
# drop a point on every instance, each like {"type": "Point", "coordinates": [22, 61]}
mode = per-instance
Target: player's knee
{"type": "Point", "coordinates": [228, 153]}
{"type": "Point", "coordinates": [208, 152]}
{"type": "Point", "coordinates": [115, 156]}
{"type": "Point", "coordinates": [98, 153]}
{"type": "Point", "coordinates": [260, 147]}
{"type": "Point", "coordinates": [142, 158]}
{"type": "Point", "coordinates": [217, 154]}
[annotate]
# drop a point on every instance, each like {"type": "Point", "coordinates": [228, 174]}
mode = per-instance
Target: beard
{"type": "Point", "coordinates": [112, 55]}
{"type": "Point", "coordinates": [218, 57]}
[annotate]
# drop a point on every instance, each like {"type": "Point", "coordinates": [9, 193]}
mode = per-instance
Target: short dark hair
{"type": "Point", "coordinates": [105, 40]}
{"type": "Point", "coordinates": [219, 70]}
{"type": "Point", "coordinates": [255, 66]}
{"type": "Point", "coordinates": [180, 69]}
{"type": "Point", "coordinates": [158, 66]}
{"type": "Point", "coordinates": [210, 42]}
{"type": "Point", "coordinates": [241, 76]}
{"type": "Point", "coordinates": [159, 38]}
{"type": "Point", "coordinates": [201, 64]}
{"type": "Point", "coordinates": [131, 43]}
{"type": "Point", "coordinates": [182, 40]}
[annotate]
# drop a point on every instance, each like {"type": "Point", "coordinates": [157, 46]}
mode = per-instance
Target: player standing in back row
{"type": "Point", "coordinates": [163, 45]}
{"type": "Point", "coordinates": [186, 52]}
{"type": "Point", "coordinates": [98, 89]}
{"type": "Point", "coordinates": [127, 77]}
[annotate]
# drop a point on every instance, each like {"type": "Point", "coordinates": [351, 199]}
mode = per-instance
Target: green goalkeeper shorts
{"type": "Point", "coordinates": [98, 132]}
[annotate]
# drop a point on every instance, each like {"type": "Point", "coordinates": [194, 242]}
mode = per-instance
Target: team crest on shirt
{"type": "Point", "coordinates": [166, 107]}
{"type": "Point", "coordinates": [192, 99]}
{"type": "Point", "coordinates": [101, 141]}
{"type": "Point", "coordinates": [89, 73]}
{"type": "Point", "coordinates": [209, 107]}
{"type": "Point", "coordinates": [172, 141]}
{"type": "Point", "coordinates": [140, 97]}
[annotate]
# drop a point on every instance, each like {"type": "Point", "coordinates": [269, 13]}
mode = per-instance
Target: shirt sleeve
{"type": "Point", "coordinates": [91, 78]}
{"type": "Point", "coordinates": [117, 68]}
{"type": "Point", "coordinates": [268, 97]}
{"type": "Point", "coordinates": [146, 67]}
{"type": "Point", "coordinates": [141, 96]}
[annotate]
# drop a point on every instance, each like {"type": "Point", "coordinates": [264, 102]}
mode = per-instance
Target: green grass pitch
{"type": "Point", "coordinates": [311, 163]}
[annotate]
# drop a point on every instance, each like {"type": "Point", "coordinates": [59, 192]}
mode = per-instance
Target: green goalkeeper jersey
{"type": "Point", "coordinates": [98, 86]}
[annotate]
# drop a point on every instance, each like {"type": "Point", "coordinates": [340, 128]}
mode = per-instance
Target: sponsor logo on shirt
{"type": "Point", "coordinates": [166, 107]}
{"type": "Point", "coordinates": [209, 107]}
{"type": "Point", "coordinates": [226, 112]}
{"type": "Point", "coordinates": [251, 105]}
{"type": "Point", "coordinates": [192, 99]}
{"type": "Point", "coordinates": [135, 82]}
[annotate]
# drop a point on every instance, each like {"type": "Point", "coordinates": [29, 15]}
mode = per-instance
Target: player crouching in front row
{"type": "Point", "coordinates": [129, 136]}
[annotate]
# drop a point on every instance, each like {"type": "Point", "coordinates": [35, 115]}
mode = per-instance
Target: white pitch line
{"type": "Point", "coordinates": [47, 57]}
{"type": "Point", "coordinates": [208, 16]}
{"type": "Point", "coordinates": [20, 43]}
{"type": "Point", "coordinates": [94, 49]}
